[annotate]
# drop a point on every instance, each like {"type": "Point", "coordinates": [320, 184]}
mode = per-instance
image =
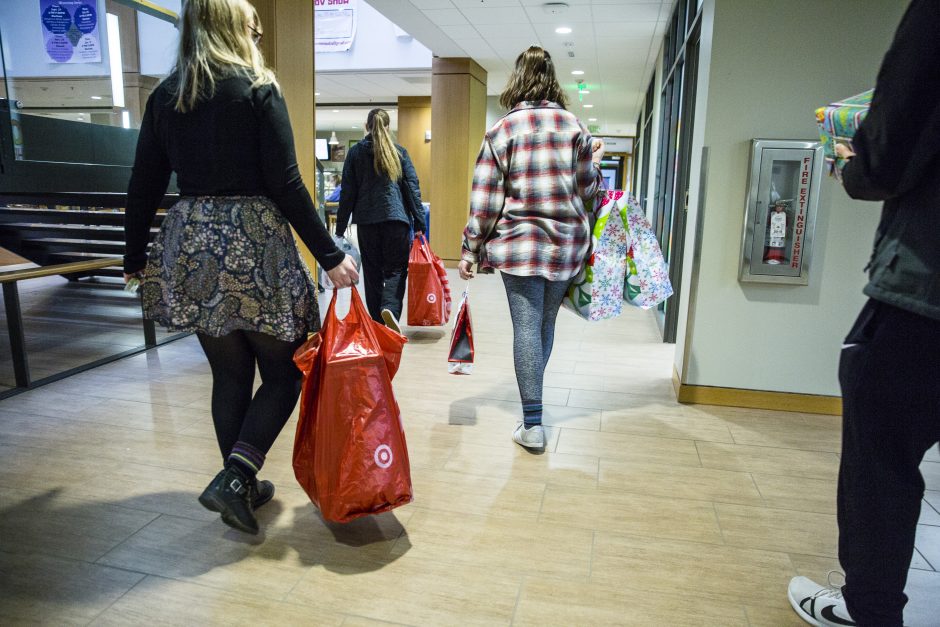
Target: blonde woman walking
{"type": "Point", "coordinates": [537, 165]}
{"type": "Point", "coordinates": [381, 192]}
{"type": "Point", "coordinates": [225, 265]}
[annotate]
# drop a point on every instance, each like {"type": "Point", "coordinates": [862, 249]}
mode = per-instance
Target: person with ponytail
{"type": "Point", "coordinates": [224, 264]}
{"type": "Point", "coordinates": [537, 167]}
{"type": "Point", "coordinates": [381, 193]}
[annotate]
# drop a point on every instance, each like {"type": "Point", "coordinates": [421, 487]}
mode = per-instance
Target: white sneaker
{"type": "Point", "coordinates": [818, 605]}
{"type": "Point", "coordinates": [390, 321]}
{"type": "Point", "coordinates": [531, 437]}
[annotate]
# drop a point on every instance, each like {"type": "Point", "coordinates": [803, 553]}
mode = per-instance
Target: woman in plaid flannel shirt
{"type": "Point", "coordinates": [527, 218]}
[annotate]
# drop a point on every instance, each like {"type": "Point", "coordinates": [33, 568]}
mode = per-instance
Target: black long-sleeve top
{"type": "Point", "coordinates": [237, 143]}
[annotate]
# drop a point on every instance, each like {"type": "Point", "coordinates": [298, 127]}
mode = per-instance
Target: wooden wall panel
{"type": "Point", "coordinates": [414, 118]}
{"type": "Point", "coordinates": [458, 103]}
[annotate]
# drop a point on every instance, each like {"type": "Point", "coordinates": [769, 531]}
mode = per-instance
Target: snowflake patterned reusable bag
{"type": "Point", "coordinates": [596, 293]}
{"type": "Point", "coordinates": [647, 281]}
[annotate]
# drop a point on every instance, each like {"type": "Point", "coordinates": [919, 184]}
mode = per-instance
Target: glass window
{"type": "Point", "coordinates": [75, 87]}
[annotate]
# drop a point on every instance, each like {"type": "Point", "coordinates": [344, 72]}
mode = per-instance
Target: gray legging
{"type": "Point", "coordinates": [533, 304]}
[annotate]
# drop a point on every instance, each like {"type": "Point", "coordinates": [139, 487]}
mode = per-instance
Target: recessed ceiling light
{"type": "Point", "coordinates": [577, 72]}
{"type": "Point", "coordinates": [96, 97]}
{"type": "Point", "coordinates": [335, 110]}
{"type": "Point", "coordinates": [588, 106]}
{"type": "Point", "coordinates": [316, 93]}
{"type": "Point", "coordinates": [592, 119]}
{"type": "Point", "coordinates": [354, 126]}
{"type": "Point", "coordinates": [583, 91]}
{"type": "Point", "coordinates": [563, 30]}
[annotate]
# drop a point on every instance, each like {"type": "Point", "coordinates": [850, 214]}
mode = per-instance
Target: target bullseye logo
{"type": "Point", "coordinates": [432, 298]}
{"type": "Point", "coordinates": [383, 456]}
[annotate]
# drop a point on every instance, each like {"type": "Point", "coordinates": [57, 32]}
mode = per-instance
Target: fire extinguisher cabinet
{"type": "Point", "coordinates": [780, 217]}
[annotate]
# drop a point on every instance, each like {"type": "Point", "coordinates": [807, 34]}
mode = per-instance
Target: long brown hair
{"type": "Point", "coordinates": [386, 160]}
{"type": "Point", "coordinates": [533, 79]}
{"type": "Point", "coordinates": [214, 42]}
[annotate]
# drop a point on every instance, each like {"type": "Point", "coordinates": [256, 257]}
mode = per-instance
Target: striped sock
{"type": "Point", "coordinates": [247, 457]}
{"type": "Point", "coordinates": [531, 413]}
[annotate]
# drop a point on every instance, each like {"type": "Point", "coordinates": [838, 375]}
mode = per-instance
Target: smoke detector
{"type": "Point", "coordinates": [555, 8]}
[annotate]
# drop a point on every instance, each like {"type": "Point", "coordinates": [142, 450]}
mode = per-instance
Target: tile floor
{"type": "Point", "coordinates": [642, 512]}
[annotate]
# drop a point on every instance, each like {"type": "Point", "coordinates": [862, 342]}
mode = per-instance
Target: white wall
{"type": "Point", "coordinates": [771, 64]}
{"type": "Point", "coordinates": [376, 47]}
{"type": "Point", "coordinates": [24, 50]}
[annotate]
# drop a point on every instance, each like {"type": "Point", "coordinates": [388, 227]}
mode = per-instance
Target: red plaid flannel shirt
{"type": "Point", "coordinates": [531, 176]}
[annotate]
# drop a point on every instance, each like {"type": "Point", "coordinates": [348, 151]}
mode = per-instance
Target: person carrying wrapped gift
{"type": "Point", "coordinates": [381, 192]}
{"type": "Point", "coordinates": [225, 264]}
{"type": "Point", "coordinates": [527, 218]}
{"type": "Point", "coordinates": [890, 364]}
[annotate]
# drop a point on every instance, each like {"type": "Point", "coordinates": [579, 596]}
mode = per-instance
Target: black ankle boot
{"type": "Point", "coordinates": [261, 493]}
{"type": "Point", "coordinates": [230, 494]}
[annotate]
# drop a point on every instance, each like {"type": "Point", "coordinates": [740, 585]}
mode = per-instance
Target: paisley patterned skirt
{"type": "Point", "coordinates": [223, 264]}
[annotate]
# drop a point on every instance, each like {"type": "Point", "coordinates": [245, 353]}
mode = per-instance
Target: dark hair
{"type": "Point", "coordinates": [533, 79]}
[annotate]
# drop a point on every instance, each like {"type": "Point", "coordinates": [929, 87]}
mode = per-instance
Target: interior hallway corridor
{"type": "Point", "coordinates": [641, 512]}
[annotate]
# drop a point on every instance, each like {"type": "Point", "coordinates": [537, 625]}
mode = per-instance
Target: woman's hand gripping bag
{"type": "Point", "coordinates": [350, 454]}
{"type": "Point", "coordinates": [429, 300]}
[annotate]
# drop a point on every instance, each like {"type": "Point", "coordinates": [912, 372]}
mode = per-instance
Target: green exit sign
{"type": "Point", "coordinates": [594, 128]}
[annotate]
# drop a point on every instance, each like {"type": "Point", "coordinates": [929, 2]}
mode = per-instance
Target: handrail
{"type": "Point", "coordinates": [12, 276]}
{"type": "Point", "coordinates": [115, 200]}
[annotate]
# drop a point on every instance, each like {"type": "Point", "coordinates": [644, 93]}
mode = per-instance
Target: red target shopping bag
{"type": "Point", "coordinates": [350, 454]}
{"type": "Point", "coordinates": [460, 357]}
{"type": "Point", "coordinates": [428, 289]}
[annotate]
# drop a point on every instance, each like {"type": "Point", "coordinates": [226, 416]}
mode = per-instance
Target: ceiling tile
{"type": "Point", "coordinates": [646, 12]}
{"type": "Point", "coordinates": [624, 29]}
{"type": "Point", "coordinates": [460, 31]}
{"type": "Point", "coordinates": [432, 4]}
{"type": "Point", "coordinates": [446, 17]}
{"type": "Point", "coordinates": [505, 16]}
{"type": "Point", "coordinates": [485, 4]}
{"type": "Point", "coordinates": [501, 32]}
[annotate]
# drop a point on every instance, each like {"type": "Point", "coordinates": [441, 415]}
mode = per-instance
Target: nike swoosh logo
{"type": "Point", "coordinates": [829, 614]}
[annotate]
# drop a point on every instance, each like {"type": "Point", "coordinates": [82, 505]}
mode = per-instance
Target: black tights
{"type": "Point", "coordinates": [237, 416]}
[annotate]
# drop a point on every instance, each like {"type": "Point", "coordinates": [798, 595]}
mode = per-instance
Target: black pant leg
{"type": "Point", "coordinates": [274, 400]}
{"type": "Point", "coordinates": [233, 375]}
{"type": "Point", "coordinates": [891, 416]}
{"type": "Point", "coordinates": [396, 245]}
{"type": "Point", "coordinates": [370, 247]}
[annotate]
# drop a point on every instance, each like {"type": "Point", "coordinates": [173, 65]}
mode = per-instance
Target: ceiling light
{"type": "Point", "coordinates": [335, 110]}
{"type": "Point", "coordinates": [592, 119]}
{"type": "Point", "coordinates": [354, 126]}
{"type": "Point", "coordinates": [583, 91]}
{"type": "Point", "coordinates": [334, 140]}
{"type": "Point", "coordinates": [114, 54]}
{"type": "Point", "coordinates": [577, 72]}
{"type": "Point", "coordinates": [316, 93]}
{"type": "Point", "coordinates": [588, 106]}
{"type": "Point", "coordinates": [96, 97]}
{"type": "Point", "coordinates": [563, 30]}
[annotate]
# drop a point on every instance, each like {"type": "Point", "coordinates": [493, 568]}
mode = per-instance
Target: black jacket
{"type": "Point", "coordinates": [372, 198]}
{"type": "Point", "coordinates": [898, 161]}
{"type": "Point", "coordinates": [237, 143]}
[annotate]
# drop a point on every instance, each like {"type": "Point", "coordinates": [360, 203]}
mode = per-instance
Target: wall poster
{"type": "Point", "coordinates": [70, 31]}
{"type": "Point", "coordinates": [334, 25]}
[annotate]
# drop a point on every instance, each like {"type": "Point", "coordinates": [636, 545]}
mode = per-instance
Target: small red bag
{"type": "Point", "coordinates": [350, 455]}
{"type": "Point", "coordinates": [460, 358]}
{"type": "Point", "coordinates": [428, 288]}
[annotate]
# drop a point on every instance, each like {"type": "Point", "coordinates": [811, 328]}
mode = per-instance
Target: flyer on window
{"type": "Point", "coordinates": [70, 31]}
{"type": "Point", "coordinates": [334, 25]}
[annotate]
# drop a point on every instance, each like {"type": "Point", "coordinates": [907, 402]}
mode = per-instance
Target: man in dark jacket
{"type": "Point", "coordinates": [890, 365]}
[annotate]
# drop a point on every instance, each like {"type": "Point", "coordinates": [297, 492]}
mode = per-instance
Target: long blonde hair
{"type": "Point", "coordinates": [387, 161]}
{"type": "Point", "coordinates": [533, 78]}
{"type": "Point", "coordinates": [215, 42]}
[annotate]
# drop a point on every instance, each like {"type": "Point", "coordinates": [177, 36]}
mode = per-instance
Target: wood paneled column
{"type": "Point", "coordinates": [414, 120]}
{"type": "Point", "coordinates": [288, 49]}
{"type": "Point", "coordinates": [458, 122]}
